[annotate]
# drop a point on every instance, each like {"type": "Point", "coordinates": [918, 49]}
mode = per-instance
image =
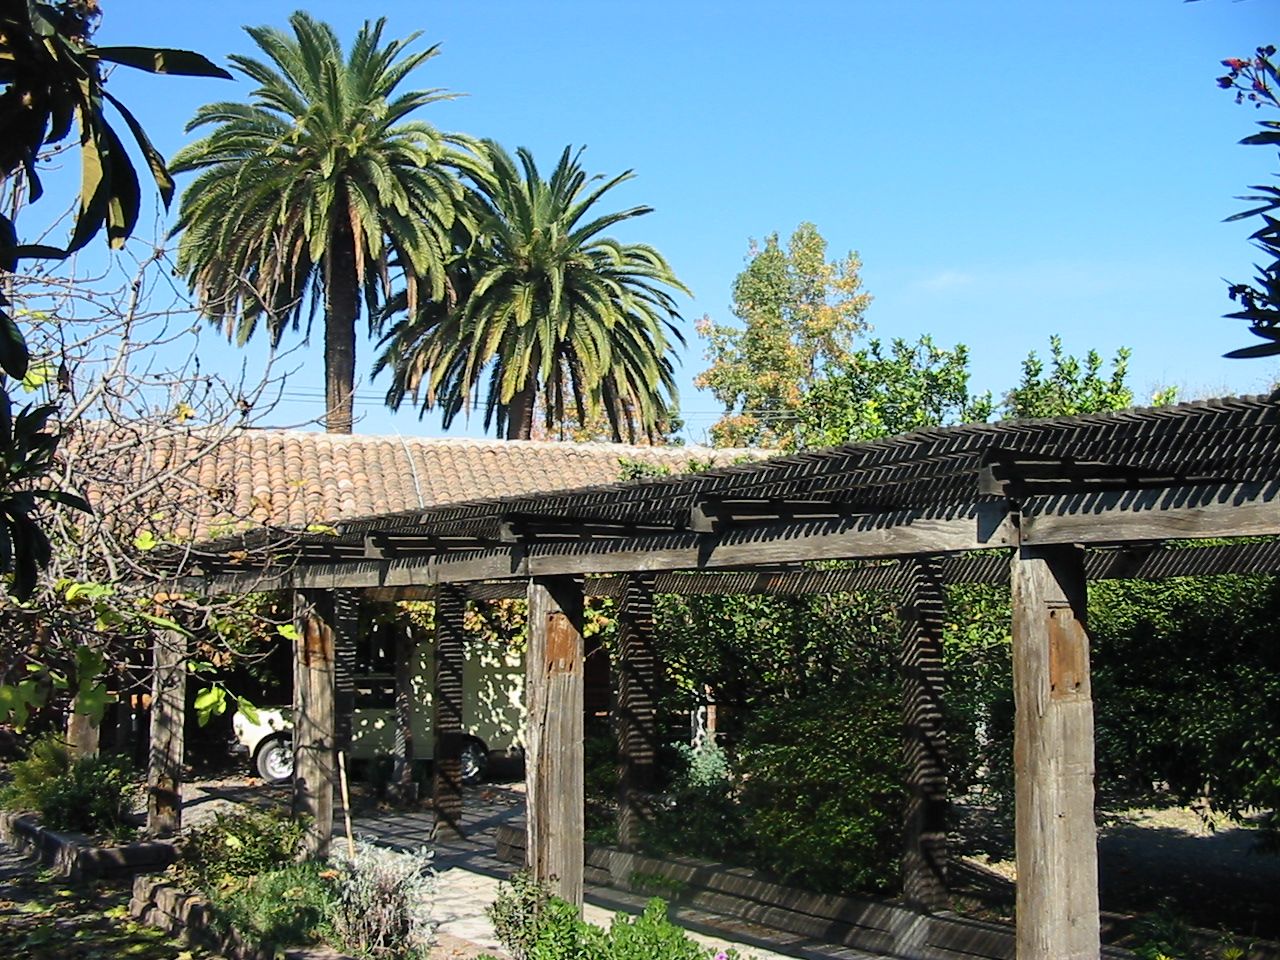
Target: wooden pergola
{"type": "Point", "coordinates": [1044, 505]}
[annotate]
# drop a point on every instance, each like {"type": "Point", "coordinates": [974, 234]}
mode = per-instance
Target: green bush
{"type": "Point", "coordinates": [533, 925]}
{"type": "Point", "coordinates": [285, 906]}
{"type": "Point", "coordinates": [701, 814]}
{"type": "Point", "coordinates": [90, 795]}
{"type": "Point", "coordinates": [47, 760]}
{"type": "Point", "coordinates": [823, 789]}
{"type": "Point", "coordinates": [515, 912]}
{"type": "Point", "coordinates": [239, 845]}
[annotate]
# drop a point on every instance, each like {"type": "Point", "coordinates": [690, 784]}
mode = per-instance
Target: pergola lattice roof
{"type": "Point", "coordinates": [1130, 476]}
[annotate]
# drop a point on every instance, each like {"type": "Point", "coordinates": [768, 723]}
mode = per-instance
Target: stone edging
{"type": "Point", "coordinates": [863, 923]}
{"type": "Point", "coordinates": [75, 857]}
{"type": "Point", "coordinates": [158, 902]}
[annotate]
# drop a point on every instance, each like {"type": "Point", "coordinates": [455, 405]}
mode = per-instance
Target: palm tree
{"type": "Point", "coordinates": [313, 192]}
{"type": "Point", "coordinates": [551, 311]}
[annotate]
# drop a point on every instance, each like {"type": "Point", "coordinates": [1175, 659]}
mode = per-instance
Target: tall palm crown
{"type": "Point", "coordinates": [551, 311]}
{"type": "Point", "coordinates": [314, 191]}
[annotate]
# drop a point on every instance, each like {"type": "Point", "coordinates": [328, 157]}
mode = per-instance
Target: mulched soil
{"type": "Point", "coordinates": [42, 918]}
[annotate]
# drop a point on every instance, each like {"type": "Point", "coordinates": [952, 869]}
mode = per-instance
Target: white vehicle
{"type": "Point", "coordinates": [493, 711]}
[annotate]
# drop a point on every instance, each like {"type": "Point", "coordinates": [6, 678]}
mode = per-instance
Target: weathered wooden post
{"type": "Point", "coordinates": [446, 703]}
{"type": "Point", "coordinates": [168, 718]}
{"type": "Point", "coordinates": [1056, 840]}
{"type": "Point", "coordinates": [924, 856]}
{"type": "Point", "coordinates": [314, 727]}
{"type": "Point", "coordinates": [553, 736]}
{"type": "Point", "coordinates": [636, 717]}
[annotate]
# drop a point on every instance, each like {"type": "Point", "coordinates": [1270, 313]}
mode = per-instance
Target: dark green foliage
{"type": "Point", "coordinates": [1255, 79]}
{"type": "Point", "coordinates": [242, 844]}
{"type": "Point", "coordinates": [702, 814]}
{"type": "Point", "coordinates": [532, 925]}
{"type": "Point", "coordinates": [289, 905]}
{"type": "Point", "coordinates": [813, 793]}
{"type": "Point", "coordinates": [1187, 686]}
{"type": "Point", "coordinates": [823, 788]}
{"type": "Point", "coordinates": [47, 759]}
{"type": "Point", "coordinates": [978, 706]}
{"type": "Point", "coordinates": [91, 795]}
{"type": "Point", "coordinates": [515, 913]}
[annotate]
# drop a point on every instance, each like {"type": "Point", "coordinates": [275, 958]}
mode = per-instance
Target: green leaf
{"type": "Point", "coordinates": [164, 623]}
{"type": "Point", "coordinates": [184, 63]}
{"type": "Point", "coordinates": [210, 702]}
{"type": "Point", "coordinates": [92, 700]}
{"type": "Point", "coordinates": [249, 710]}
{"type": "Point", "coordinates": [159, 169]}
{"type": "Point", "coordinates": [145, 540]}
{"type": "Point", "coordinates": [288, 631]}
{"type": "Point", "coordinates": [14, 356]}
{"type": "Point", "coordinates": [1255, 351]}
{"type": "Point", "coordinates": [37, 375]}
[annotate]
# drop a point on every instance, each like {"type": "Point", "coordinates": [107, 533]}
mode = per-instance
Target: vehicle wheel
{"type": "Point", "coordinates": [275, 760]}
{"type": "Point", "coordinates": [475, 760]}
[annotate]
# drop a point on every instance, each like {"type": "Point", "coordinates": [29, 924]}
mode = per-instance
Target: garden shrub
{"type": "Point", "coordinates": [91, 795]}
{"type": "Point", "coordinates": [701, 814]}
{"type": "Point", "coordinates": [823, 789]}
{"type": "Point", "coordinates": [533, 925]}
{"type": "Point", "coordinates": [47, 759]}
{"type": "Point", "coordinates": [241, 844]}
{"type": "Point", "coordinates": [289, 904]}
{"type": "Point", "coordinates": [382, 902]}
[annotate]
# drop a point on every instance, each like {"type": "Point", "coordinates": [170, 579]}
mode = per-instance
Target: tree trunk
{"type": "Point", "coordinates": [520, 411]}
{"type": "Point", "coordinates": [341, 310]}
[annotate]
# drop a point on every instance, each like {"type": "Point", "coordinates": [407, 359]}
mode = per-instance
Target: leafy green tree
{"type": "Point", "coordinates": [313, 192]}
{"type": "Point", "coordinates": [878, 393]}
{"type": "Point", "coordinates": [552, 311]}
{"type": "Point", "coordinates": [800, 317]}
{"type": "Point", "coordinates": [1071, 386]}
{"type": "Point", "coordinates": [1254, 80]}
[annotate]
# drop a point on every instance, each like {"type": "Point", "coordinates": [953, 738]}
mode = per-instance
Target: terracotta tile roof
{"type": "Point", "coordinates": [206, 486]}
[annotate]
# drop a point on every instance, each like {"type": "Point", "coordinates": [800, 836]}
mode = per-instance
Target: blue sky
{"type": "Point", "coordinates": [1006, 170]}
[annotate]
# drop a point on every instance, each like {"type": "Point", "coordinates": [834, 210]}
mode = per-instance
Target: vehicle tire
{"type": "Point", "coordinates": [274, 759]}
{"type": "Point", "coordinates": [475, 760]}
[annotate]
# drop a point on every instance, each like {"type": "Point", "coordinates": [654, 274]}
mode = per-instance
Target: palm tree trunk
{"type": "Point", "coordinates": [520, 412]}
{"type": "Point", "coordinates": [341, 309]}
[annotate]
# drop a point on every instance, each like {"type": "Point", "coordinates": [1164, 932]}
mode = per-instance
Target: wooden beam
{"type": "Point", "coordinates": [901, 533]}
{"type": "Point", "coordinates": [314, 728]}
{"type": "Point", "coordinates": [1204, 510]}
{"type": "Point", "coordinates": [924, 857]}
{"type": "Point", "coordinates": [168, 719]}
{"type": "Point", "coordinates": [1056, 844]}
{"type": "Point", "coordinates": [447, 706]}
{"type": "Point", "coordinates": [636, 717]}
{"type": "Point", "coordinates": [553, 736]}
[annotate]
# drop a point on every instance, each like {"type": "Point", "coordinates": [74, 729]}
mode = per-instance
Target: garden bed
{"type": "Point", "coordinates": [862, 923]}
{"type": "Point", "coordinates": [75, 856]}
{"type": "Point", "coordinates": [160, 903]}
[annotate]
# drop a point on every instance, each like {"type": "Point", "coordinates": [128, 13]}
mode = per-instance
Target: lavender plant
{"type": "Point", "coordinates": [383, 904]}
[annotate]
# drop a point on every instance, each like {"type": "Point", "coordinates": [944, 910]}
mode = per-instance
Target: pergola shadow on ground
{"type": "Point", "coordinates": [1043, 505]}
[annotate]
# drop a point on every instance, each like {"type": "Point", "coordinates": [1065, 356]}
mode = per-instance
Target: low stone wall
{"type": "Point", "coordinates": [76, 857]}
{"type": "Point", "coordinates": [160, 903]}
{"type": "Point", "coordinates": [875, 926]}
